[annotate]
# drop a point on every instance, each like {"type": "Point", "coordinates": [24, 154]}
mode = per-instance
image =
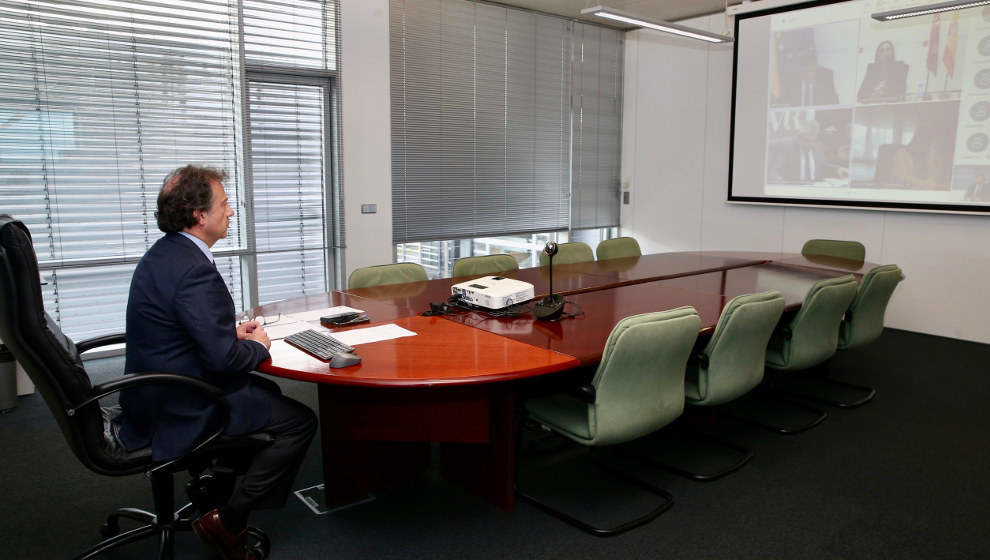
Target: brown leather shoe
{"type": "Point", "coordinates": [229, 546]}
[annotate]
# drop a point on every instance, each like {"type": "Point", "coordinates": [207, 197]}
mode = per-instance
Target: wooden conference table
{"type": "Point", "coordinates": [457, 381]}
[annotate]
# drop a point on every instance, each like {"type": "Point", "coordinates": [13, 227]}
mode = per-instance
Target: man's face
{"type": "Point", "coordinates": [216, 219]}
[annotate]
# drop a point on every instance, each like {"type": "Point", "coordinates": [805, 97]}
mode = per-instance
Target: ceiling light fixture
{"type": "Point", "coordinates": [659, 25]}
{"type": "Point", "coordinates": [928, 9]}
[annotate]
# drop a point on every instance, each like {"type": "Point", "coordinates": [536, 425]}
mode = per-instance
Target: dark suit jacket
{"type": "Point", "coordinates": [894, 77]}
{"type": "Point", "coordinates": [180, 319]}
{"type": "Point", "coordinates": [823, 89]}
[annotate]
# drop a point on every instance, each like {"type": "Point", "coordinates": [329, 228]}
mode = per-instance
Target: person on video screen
{"type": "Point", "coordinates": [886, 77]}
{"type": "Point", "coordinates": [805, 159]}
{"type": "Point", "coordinates": [924, 163]}
{"type": "Point", "coordinates": [808, 83]}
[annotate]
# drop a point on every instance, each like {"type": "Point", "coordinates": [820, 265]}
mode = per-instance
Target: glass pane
{"type": "Point", "coordinates": [297, 33]}
{"type": "Point", "coordinates": [438, 257]}
{"type": "Point", "coordinates": [287, 147]}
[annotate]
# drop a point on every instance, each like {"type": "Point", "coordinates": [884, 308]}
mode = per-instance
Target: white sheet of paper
{"type": "Point", "coordinates": [315, 314]}
{"type": "Point", "coordinates": [354, 337]}
{"type": "Point", "coordinates": [285, 328]}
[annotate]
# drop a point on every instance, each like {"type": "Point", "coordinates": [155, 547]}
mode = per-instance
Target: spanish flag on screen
{"type": "Point", "coordinates": [949, 57]}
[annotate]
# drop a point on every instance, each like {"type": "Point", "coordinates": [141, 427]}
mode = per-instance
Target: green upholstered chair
{"type": "Point", "coordinates": [811, 336]}
{"type": "Point", "coordinates": [568, 253]}
{"type": "Point", "coordinates": [864, 318]}
{"type": "Point", "coordinates": [849, 250]}
{"type": "Point", "coordinates": [384, 274]}
{"type": "Point", "coordinates": [728, 367]}
{"type": "Point", "coordinates": [732, 363]}
{"type": "Point", "coordinates": [618, 248]}
{"type": "Point", "coordinates": [637, 389]}
{"type": "Point", "coordinates": [484, 265]}
{"type": "Point", "coordinates": [863, 324]}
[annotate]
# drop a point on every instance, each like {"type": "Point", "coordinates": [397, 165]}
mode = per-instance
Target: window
{"type": "Point", "coordinates": [505, 125]}
{"type": "Point", "coordinates": [100, 101]}
{"type": "Point", "coordinates": [438, 257]}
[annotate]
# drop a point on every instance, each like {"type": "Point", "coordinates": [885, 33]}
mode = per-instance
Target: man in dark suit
{"type": "Point", "coordinates": [180, 319]}
{"type": "Point", "coordinates": [805, 159]}
{"type": "Point", "coordinates": [807, 84]}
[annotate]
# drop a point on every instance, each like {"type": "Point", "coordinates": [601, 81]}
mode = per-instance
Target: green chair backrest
{"type": "Point", "coordinates": [481, 266]}
{"type": "Point", "coordinates": [381, 275]}
{"type": "Point", "coordinates": [639, 384]}
{"type": "Point", "coordinates": [618, 248]}
{"type": "Point", "coordinates": [849, 250]}
{"type": "Point", "coordinates": [567, 253]}
{"type": "Point", "coordinates": [734, 358]}
{"type": "Point", "coordinates": [864, 319]}
{"type": "Point", "coordinates": [812, 335]}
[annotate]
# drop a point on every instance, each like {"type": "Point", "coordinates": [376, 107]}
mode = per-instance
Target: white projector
{"type": "Point", "coordinates": [493, 292]}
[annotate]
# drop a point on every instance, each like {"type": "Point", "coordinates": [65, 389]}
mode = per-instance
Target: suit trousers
{"type": "Point", "coordinates": [270, 473]}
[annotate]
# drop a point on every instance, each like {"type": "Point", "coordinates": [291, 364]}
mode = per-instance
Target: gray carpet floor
{"type": "Point", "coordinates": [906, 476]}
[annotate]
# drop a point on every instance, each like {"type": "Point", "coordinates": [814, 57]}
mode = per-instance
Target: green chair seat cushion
{"type": "Point", "coordinates": [618, 248]}
{"type": "Point", "coordinates": [574, 252]}
{"type": "Point", "coordinates": [386, 274]}
{"type": "Point", "coordinates": [484, 265]}
{"type": "Point", "coordinates": [566, 414]}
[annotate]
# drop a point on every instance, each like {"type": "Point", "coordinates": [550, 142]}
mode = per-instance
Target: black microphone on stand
{"type": "Point", "coordinates": [550, 307]}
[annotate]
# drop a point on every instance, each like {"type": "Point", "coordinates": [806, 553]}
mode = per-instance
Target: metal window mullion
{"type": "Point", "coordinates": [249, 262]}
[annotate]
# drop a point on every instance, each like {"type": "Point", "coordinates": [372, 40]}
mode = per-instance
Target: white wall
{"type": "Point", "coordinates": [675, 157]}
{"type": "Point", "coordinates": [365, 127]}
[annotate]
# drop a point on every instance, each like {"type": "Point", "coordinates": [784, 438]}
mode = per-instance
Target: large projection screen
{"type": "Point", "coordinates": [831, 107]}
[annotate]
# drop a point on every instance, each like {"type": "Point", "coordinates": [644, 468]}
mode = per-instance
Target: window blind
{"type": "Point", "coordinates": [290, 33]}
{"type": "Point", "coordinates": [480, 120]}
{"type": "Point", "coordinates": [290, 51]}
{"type": "Point", "coordinates": [287, 147]}
{"type": "Point", "coordinates": [98, 101]}
{"type": "Point", "coordinates": [597, 96]}
{"type": "Point", "coordinates": [495, 111]}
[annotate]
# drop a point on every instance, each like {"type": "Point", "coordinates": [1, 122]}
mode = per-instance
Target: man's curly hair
{"type": "Point", "coordinates": [183, 191]}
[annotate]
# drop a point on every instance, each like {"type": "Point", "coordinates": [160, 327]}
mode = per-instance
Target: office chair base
{"type": "Point", "coordinates": [682, 448]}
{"type": "Point", "coordinates": [667, 502]}
{"type": "Point", "coordinates": [828, 391]}
{"type": "Point", "coordinates": [764, 416]}
{"type": "Point", "coordinates": [113, 537]}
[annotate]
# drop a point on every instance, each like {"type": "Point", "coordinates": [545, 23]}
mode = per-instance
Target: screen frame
{"type": "Point", "coordinates": [977, 209]}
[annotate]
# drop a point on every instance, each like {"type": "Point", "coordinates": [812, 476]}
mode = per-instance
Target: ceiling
{"type": "Point", "coordinates": [668, 10]}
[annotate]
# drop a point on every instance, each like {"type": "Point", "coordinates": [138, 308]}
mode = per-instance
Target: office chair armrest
{"type": "Point", "coordinates": [96, 342]}
{"type": "Point", "coordinates": [119, 384]}
{"type": "Point", "coordinates": [212, 391]}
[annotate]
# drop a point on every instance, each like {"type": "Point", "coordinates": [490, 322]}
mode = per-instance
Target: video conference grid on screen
{"type": "Point", "coordinates": [833, 105]}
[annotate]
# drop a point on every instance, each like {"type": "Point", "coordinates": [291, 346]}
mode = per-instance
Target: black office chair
{"type": "Point", "coordinates": [53, 363]}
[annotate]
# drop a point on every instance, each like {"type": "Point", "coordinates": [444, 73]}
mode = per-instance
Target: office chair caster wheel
{"type": "Point", "coordinates": [261, 545]}
{"type": "Point", "coordinates": [109, 529]}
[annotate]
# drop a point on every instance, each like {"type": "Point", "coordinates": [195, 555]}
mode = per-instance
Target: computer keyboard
{"type": "Point", "coordinates": [320, 345]}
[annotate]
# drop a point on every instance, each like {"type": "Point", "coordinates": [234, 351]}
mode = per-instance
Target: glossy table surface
{"type": "Point", "coordinates": [472, 347]}
{"type": "Point", "coordinates": [432, 357]}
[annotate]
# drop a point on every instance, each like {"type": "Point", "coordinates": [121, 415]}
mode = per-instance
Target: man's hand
{"type": "Point", "coordinates": [244, 329]}
{"type": "Point", "coordinates": [252, 330]}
